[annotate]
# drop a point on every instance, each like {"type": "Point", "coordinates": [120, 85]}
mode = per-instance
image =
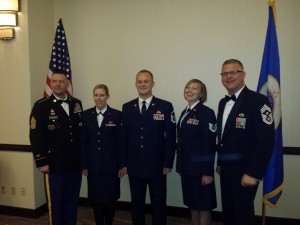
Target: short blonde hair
{"type": "Point", "coordinates": [203, 90]}
{"type": "Point", "coordinates": [102, 86]}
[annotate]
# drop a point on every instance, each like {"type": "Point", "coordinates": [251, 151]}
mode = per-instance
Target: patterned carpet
{"type": "Point", "coordinates": [86, 217]}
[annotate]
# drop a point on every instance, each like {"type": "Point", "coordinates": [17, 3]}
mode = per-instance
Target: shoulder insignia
{"type": "Point", "coordinates": [77, 108]}
{"type": "Point", "coordinates": [32, 123]}
{"type": "Point", "coordinates": [43, 99]}
{"type": "Point", "coordinates": [73, 98]}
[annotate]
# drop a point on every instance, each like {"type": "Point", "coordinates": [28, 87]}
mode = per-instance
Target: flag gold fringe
{"type": "Point", "coordinates": [272, 194]}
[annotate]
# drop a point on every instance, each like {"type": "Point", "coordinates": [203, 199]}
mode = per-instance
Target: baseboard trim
{"type": "Point", "coordinates": [23, 212]}
{"type": "Point", "coordinates": [27, 148]}
{"type": "Point", "coordinates": [171, 211]}
{"type": "Point", "coordinates": [216, 215]}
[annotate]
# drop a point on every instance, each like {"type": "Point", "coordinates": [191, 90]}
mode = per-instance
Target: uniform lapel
{"type": "Point", "coordinates": [71, 108]}
{"type": "Point", "coordinates": [58, 108]}
{"type": "Point", "coordinates": [191, 113]}
{"type": "Point", "coordinates": [232, 115]}
{"type": "Point", "coordinates": [93, 118]}
{"type": "Point", "coordinates": [180, 118]}
{"type": "Point", "coordinates": [107, 116]}
{"type": "Point", "coordinates": [150, 111]}
{"type": "Point", "coordinates": [136, 109]}
{"type": "Point", "coordinates": [220, 117]}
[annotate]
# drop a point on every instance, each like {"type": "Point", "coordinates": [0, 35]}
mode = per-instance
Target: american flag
{"type": "Point", "coordinates": [60, 60]}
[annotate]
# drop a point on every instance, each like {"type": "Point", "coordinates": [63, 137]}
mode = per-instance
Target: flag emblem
{"type": "Point", "coordinates": [60, 60]}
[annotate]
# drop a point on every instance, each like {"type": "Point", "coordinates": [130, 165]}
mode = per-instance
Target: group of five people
{"type": "Point", "coordinates": [105, 144]}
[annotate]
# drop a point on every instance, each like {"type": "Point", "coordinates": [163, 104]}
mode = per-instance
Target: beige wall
{"type": "Point", "coordinates": [22, 61]}
{"type": "Point", "coordinates": [110, 40]}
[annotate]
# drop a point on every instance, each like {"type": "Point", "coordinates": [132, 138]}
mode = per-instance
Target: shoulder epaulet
{"type": "Point", "coordinates": [73, 98]}
{"type": "Point", "coordinates": [43, 99]}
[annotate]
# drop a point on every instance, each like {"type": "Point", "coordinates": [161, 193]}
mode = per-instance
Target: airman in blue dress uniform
{"type": "Point", "coordinates": [101, 154]}
{"type": "Point", "coordinates": [149, 142]}
{"type": "Point", "coordinates": [246, 139]}
{"type": "Point", "coordinates": [196, 131]}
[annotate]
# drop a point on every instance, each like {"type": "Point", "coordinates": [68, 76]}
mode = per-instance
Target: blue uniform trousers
{"type": "Point", "coordinates": [157, 190]}
{"type": "Point", "coordinates": [62, 195]}
{"type": "Point", "coordinates": [237, 201]}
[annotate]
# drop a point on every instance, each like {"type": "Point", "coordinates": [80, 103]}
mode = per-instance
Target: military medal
{"type": "Point", "coordinates": [240, 122]}
{"type": "Point", "coordinates": [111, 124]}
{"type": "Point", "coordinates": [192, 121]}
{"type": "Point", "coordinates": [158, 116]}
{"type": "Point", "coordinates": [51, 127]}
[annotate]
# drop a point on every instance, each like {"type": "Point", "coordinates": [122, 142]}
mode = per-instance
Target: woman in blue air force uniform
{"type": "Point", "coordinates": [100, 155]}
{"type": "Point", "coordinates": [196, 153]}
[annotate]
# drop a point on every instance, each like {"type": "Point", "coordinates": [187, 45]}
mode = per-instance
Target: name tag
{"type": "Point", "coordinates": [53, 117]}
{"type": "Point", "coordinates": [110, 125]}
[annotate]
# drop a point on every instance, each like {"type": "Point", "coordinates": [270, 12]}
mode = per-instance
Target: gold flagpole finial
{"type": "Point", "coordinates": [272, 3]}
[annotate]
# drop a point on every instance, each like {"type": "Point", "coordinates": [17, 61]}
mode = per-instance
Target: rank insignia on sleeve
{"type": "Point", "coordinates": [213, 127]}
{"type": "Point", "coordinates": [32, 123]}
{"type": "Point", "coordinates": [266, 114]}
{"type": "Point", "coordinates": [173, 118]}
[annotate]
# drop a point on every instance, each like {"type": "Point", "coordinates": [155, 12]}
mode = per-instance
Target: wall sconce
{"type": "Point", "coordinates": [8, 18]}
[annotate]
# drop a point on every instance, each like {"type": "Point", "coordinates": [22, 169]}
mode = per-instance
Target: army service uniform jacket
{"type": "Point", "coordinates": [55, 135]}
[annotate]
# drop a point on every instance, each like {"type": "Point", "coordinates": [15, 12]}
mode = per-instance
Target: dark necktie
{"type": "Point", "coordinates": [228, 98]}
{"type": "Point", "coordinates": [144, 108]}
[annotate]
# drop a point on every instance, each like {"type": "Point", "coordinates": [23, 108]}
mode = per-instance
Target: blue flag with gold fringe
{"type": "Point", "coordinates": [269, 85]}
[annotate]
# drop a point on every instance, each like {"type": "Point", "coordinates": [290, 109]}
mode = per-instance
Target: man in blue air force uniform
{"type": "Point", "coordinates": [149, 140]}
{"type": "Point", "coordinates": [246, 139]}
{"type": "Point", "coordinates": [55, 123]}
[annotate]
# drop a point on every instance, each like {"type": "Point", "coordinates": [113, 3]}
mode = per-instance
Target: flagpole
{"type": "Point", "coordinates": [263, 213]}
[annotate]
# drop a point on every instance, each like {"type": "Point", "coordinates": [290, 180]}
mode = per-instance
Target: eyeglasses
{"type": "Point", "coordinates": [233, 72]}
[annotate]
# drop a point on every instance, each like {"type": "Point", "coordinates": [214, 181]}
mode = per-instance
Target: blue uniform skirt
{"type": "Point", "coordinates": [103, 187]}
{"type": "Point", "coordinates": [196, 196]}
